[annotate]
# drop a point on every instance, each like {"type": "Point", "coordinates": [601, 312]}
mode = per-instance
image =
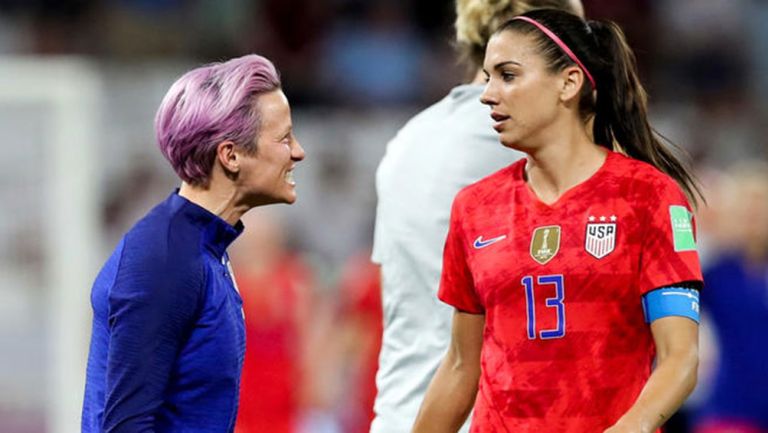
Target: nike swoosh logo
{"type": "Point", "coordinates": [480, 243]}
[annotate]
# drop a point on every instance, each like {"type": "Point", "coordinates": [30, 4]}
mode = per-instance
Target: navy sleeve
{"type": "Point", "coordinates": [152, 306]}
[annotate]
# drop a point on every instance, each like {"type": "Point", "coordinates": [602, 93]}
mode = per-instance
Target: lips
{"type": "Point", "coordinates": [500, 119]}
{"type": "Point", "coordinates": [498, 116]}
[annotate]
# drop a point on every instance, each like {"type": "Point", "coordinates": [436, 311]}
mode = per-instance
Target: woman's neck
{"type": "Point", "coordinates": [220, 200]}
{"type": "Point", "coordinates": [559, 166]}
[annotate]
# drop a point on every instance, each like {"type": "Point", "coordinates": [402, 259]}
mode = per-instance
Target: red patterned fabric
{"type": "Point", "coordinates": [274, 303]}
{"type": "Point", "coordinates": [565, 347]}
{"type": "Point", "coordinates": [361, 308]}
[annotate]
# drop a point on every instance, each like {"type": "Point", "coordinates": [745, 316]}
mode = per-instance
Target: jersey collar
{"type": "Point", "coordinates": [217, 233]}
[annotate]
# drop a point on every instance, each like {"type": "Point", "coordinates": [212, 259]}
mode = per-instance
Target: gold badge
{"type": "Point", "coordinates": [545, 243]}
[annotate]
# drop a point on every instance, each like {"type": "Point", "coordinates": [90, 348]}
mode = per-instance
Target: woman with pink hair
{"type": "Point", "coordinates": [168, 337]}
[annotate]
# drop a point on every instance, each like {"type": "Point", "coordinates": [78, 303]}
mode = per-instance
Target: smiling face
{"type": "Point", "coordinates": [266, 175]}
{"type": "Point", "coordinates": [524, 95]}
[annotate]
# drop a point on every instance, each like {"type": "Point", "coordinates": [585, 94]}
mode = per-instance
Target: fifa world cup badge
{"type": "Point", "coordinates": [545, 243]}
{"type": "Point", "coordinates": [682, 229]}
{"type": "Point", "coordinates": [601, 235]}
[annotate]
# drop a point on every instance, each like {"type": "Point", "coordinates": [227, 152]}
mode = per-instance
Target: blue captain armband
{"type": "Point", "coordinates": [671, 301]}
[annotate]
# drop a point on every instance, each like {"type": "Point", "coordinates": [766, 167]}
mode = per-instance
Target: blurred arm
{"type": "Point", "coordinates": [451, 394]}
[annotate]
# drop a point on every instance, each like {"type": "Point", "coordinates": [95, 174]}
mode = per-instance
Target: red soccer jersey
{"type": "Point", "coordinates": [565, 347]}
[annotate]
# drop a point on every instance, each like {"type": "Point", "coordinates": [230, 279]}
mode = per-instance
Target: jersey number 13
{"type": "Point", "coordinates": [556, 283]}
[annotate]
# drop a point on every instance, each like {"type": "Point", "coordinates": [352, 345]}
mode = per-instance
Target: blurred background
{"type": "Point", "coordinates": [80, 81]}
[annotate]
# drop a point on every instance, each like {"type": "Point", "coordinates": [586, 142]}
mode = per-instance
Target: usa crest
{"type": "Point", "coordinates": [601, 236]}
{"type": "Point", "coordinates": [545, 243]}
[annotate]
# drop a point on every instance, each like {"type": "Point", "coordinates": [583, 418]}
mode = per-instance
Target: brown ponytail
{"type": "Point", "coordinates": [620, 108]}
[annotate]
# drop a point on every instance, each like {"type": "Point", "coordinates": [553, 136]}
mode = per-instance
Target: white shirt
{"type": "Point", "coordinates": [441, 150]}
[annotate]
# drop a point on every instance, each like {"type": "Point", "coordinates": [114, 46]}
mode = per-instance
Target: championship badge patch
{"type": "Point", "coordinates": [545, 243]}
{"type": "Point", "coordinates": [601, 236]}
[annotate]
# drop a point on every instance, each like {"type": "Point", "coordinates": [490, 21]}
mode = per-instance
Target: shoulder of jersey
{"type": "Point", "coordinates": [163, 234]}
{"type": "Point", "coordinates": [642, 172]}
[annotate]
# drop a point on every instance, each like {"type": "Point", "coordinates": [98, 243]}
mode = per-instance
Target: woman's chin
{"type": "Point", "coordinates": [509, 143]}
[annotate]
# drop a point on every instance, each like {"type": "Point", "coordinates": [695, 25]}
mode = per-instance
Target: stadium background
{"type": "Point", "coordinates": [79, 84]}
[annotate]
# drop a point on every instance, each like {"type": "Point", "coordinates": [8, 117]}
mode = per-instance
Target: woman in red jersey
{"type": "Point", "coordinates": [572, 270]}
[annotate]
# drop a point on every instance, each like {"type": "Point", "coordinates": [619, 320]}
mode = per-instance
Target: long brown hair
{"type": "Point", "coordinates": [619, 103]}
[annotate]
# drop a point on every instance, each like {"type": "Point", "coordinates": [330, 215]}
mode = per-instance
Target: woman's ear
{"type": "Point", "coordinates": [572, 80]}
{"type": "Point", "coordinates": [228, 157]}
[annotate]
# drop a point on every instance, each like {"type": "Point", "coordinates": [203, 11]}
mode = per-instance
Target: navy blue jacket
{"type": "Point", "coordinates": [168, 336]}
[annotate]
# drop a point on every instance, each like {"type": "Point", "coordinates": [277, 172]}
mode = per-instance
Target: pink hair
{"type": "Point", "coordinates": [208, 105]}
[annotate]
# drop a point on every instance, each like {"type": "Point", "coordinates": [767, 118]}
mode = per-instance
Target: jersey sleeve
{"type": "Point", "coordinates": [456, 284]}
{"type": "Point", "coordinates": [151, 307]}
{"type": "Point", "coordinates": [668, 251]}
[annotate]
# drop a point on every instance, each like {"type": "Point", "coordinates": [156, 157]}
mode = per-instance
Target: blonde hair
{"type": "Point", "coordinates": [476, 21]}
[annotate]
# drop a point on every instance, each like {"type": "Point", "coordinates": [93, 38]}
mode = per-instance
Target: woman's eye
{"type": "Point", "coordinates": [507, 76]}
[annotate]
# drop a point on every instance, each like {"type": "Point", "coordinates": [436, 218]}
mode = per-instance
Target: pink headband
{"type": "Point", "coordinates": [560, 44]}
